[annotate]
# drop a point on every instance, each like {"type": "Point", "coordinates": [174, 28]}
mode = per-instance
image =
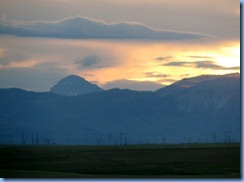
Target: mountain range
{"type": "Point", "coordinates": [199, 109]}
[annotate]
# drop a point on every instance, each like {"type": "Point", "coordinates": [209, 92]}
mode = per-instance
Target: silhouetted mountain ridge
{"type": "Point", "coordinates": [207, 92]}
{"type": "Point", "coordinates": [73, 85]}
{"type": "Point", "coordinates": [207, 106]}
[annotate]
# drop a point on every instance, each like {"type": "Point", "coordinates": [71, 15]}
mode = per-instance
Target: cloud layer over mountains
{"type": "Point", "coordinates": [85, 28]}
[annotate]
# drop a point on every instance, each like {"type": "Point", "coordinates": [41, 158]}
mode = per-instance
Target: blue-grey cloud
{"type": "Point", "coordinates": [156, 75]}
{"type": "Point", "coordinates": [200, 64]}
{"type": "Point", "coordinates": [94, 62]}
{"type": "Point", "coordinates": [86, 28]}
{"type": "Point", "coordinates": [208, 64]}
{"type": "Point", "coordinates": [178, 63]}
{"type": "Point", "coordinates": [200, 57]}
{"type": "Point", "coordinates": [88, 61]}
{"type": "Point", "coordinates": [163, 58]}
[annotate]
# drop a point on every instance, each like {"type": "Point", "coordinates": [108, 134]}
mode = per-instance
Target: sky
{"type": "Point", "coordinates": [135, 44]}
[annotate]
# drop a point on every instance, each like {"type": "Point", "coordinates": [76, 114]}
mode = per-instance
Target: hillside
{"type": "Point", "coordinates": [201, 112]}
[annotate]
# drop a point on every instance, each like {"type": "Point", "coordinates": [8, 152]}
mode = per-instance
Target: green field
{"type": "Point", "coordinates": [132, 161]}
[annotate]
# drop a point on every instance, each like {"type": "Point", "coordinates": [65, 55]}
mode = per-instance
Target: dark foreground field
{"type": "Point", "coordinates": [147, 161]}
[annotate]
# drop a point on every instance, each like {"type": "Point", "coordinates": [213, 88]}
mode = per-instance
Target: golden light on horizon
{"type": "Point", "coordinates": [132, 60]}
{"type": "Point", "coordinates": [230, 57]}
{"type": "Point", "coordinates": [138, 59]}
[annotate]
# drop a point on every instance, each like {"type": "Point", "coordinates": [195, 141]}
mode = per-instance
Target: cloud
{"type": "Point", "coordinates": [133, 85]}
{"type": "Point", "coordinates": [156, 75]}
{"type": "Point", "coordinates": [163, 58]}
{"type": "Point", "coordinates": [87, 28]}
{"type": "Point", "coordinates": [12, 56]}
{"type": "Point", "coordinates": [178, 63]}
{"type": "Point", "coordinates": [95, 62]}
{"type": "Point", "coordinates": [160, 77]}
{"type": "Point", "coordinates": [88, 61]}
{"type": "Point", "coordinates": [74, 55]}
{"type": "Point", "coordinates": [233, 68]}
{"type": "Point", "coordinates": [208, 64]}
{"type": "Point", "coordinates": [200, 57]}
{"type": "Point", "coordinates": [201, 64]}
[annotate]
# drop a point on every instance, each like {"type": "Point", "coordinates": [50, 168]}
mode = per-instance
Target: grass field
{"type": "Point", "coordinates": [132, 161]}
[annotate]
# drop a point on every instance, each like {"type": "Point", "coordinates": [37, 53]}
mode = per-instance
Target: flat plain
{"type": "Point", "coordinates": [198, 161]}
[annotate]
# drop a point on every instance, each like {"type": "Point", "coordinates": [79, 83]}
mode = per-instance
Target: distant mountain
{"type": "Point", "coordinates": [192, 113]}
{"type": "Point", "coordinates": [206, 92]}
{"type": "Point", "coordinates": [133, 85]}
{"type": "Point", "coordinates": [73, 86]}
{"type": "Point", "coordinates": [186, 83]}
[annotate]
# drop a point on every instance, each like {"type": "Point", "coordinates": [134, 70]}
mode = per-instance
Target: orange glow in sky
{"type": "Point", "coordinates": [141, 59]}
{"type": "Point", "coordinates": [160, 62]}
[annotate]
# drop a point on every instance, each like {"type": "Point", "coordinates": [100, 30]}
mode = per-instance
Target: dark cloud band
{"type": "Point", "coordinates": [200, 64]}
{"type": "Point", "coordinates": [86, 28]}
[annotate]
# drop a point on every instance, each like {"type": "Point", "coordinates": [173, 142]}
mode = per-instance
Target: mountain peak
{"type": "Point", "coordinates": [74, 85]}
{"type": "Point", "coordinates": [188, 82]}
{"type": "Point", "coordinates": [232, 75]}
{"type": "Point", "coordinates": [74, 78]}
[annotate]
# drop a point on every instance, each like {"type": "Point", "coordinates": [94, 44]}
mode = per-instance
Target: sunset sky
{"type": "Point", "coordinates": [116, 43]}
